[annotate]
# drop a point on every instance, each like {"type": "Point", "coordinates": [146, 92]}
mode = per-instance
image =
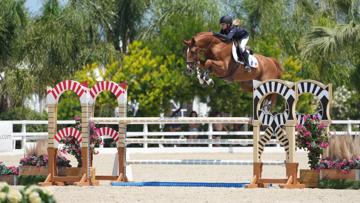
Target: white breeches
{"type": "Point", "coordinates": [243, 44]}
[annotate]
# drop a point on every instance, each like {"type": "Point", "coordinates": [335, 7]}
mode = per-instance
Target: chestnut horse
{"type": "Point", "coordinates": [207, 53]}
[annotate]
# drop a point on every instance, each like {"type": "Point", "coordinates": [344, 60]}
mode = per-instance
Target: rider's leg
{"type": "Point", "coordinates": [243, 44]}
{"type": "Point", "coordinates": [244, 52]}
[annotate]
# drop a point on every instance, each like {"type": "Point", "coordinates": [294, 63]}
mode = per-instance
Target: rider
{"type": "Point", "coordinates": [236, 33]}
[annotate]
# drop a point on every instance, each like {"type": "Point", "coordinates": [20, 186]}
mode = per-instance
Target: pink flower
{"type": "Point", "coordinates": [307, 133]}
{"type": "Point", "coordinates": [322, 126]}
{"type": "Point", "coordinates": [324, 145]}
{"type": "Point", "coordinates": [305, 117]}
{"type": "Point", "coordinates": [299, 126]}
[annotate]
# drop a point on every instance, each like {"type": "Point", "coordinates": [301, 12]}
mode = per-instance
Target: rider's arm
{"type": "Point", "coordinates": [222, 36]}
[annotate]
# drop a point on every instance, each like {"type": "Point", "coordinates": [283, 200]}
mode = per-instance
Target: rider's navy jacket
{"type": "Point", "coordinates": [234, 33]}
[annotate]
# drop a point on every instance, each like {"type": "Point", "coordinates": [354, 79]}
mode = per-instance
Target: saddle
{"type": "Point", "coordinates": [239, 57]}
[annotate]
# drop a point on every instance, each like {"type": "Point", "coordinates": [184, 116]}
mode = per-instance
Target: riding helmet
{"type": "Point", "coordinates": [226, 19]}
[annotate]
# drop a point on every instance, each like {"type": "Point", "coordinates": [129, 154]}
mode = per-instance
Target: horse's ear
{"type": "Point", "coordinates": [187, 42]}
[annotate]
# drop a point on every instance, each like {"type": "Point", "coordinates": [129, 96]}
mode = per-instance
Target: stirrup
{"type": "Point", "coordinates": [247, 68]}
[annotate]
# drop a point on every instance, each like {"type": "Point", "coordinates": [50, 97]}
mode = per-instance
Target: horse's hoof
{"type": "Point", "coordinates": [204, 84]}
{"type": "Point", "coordinates": [210, 83]}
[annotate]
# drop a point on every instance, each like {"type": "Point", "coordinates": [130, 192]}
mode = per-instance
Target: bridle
{"type": "Point", "coordinates": [199, 58]}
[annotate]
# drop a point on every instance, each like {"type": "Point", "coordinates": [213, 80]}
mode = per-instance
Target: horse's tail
{"type": "Point", "coordinates": [278, 67]}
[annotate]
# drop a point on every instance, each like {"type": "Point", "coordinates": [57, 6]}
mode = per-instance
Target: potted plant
{"type": "Point", "coordinates": [340, 169]}
{"type": "Point", "coordinates": [36, 160]}
{"type": "Point", "coordinates": [312, 138]}
{"type": "Point", "coordinates": [8, 174]}
{"type": "Point", "coordinates": [37, 165]}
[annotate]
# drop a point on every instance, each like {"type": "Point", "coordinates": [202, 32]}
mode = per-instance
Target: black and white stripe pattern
{"type": "Point", "coordinates": [300, 117]}
{"type": "Point", "coordinates": [270, 87]}
{"type": "Point", "coordinates": [321, 92]}
{"type": "Point", "coordinates": [275, 122]}
{"type": "Point", "coordinates": [275, 128]}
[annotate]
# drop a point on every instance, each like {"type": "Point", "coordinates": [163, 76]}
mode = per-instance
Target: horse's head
{"type": "Point", "coordinates": [192, 56]}
{"type": "Point", "coordinates": [199, 50]}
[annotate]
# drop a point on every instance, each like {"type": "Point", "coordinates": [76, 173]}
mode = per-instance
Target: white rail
{"type": "Point", "coordinates": [24, 135]}
{"type": "Point", "coordinates": [175, 120]}
{"type": "Point", "coordinates": [201, 162]}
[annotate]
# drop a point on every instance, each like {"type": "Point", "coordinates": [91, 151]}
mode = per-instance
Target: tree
{"type": "Point", "coordinates": [334, 46]}
{"type": "Point", "coordinates": [127, 23]}
{"type": "Point", "coordinates": [149, 79]}
{"type": "Point", "coordinates": [13, 19]}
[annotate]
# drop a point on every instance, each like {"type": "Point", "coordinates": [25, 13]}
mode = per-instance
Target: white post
{"type": "Point", "coordinates": [145, 131]}
{"type": "Point", "coordinates": [102, 142]}
{"type": "Point", "coordinates": [23, 131]}
{"type": "Point", "coordinates": [210, 133]}
{"type": "Point", "coordinates": [349, 127]}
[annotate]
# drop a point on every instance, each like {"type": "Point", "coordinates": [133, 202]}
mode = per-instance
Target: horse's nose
{"type": "Point", "coordinates": [189, 69]}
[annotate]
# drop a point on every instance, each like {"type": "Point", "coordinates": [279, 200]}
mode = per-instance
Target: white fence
{"type": "Point", "coordinates": [146, 137]}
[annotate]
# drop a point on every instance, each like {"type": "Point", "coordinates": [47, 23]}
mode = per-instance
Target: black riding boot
{"type": "Point", "coordinates": [246, 60]}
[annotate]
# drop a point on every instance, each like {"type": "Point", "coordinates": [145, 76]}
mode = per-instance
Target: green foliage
{"type": "Point", "coordinates": [21, 113]}
{"type": "Point", "coordinates": [149, 79]}
{"type": "Point", "coordinates": [12, 20]}
{"type": "Point", "coordinates": [346, 103]}
{"type": "Point", "coordinates": [228, 98]}
{"type": "Point", "coordinates": [339, 184]}
{"type": "Point", "coordinates": [30, 180]}
{"type": "Point", "coordinates": [16, 86]}
{"type": "Point", "coordinates": [69, 106]}
{"type": "Point", "coordinates": [292, 69]}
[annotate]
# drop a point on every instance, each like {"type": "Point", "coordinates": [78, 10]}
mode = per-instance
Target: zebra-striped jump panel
{"type": "Point", "coordinates": [322, 93]}
{"type": "Point", "coordinates": [201, 162]}
{"type": "Point", "coordinates": [275, 122]}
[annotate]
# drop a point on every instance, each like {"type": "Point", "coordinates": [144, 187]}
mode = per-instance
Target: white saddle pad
{"type": "Point", "coordinates": [253, 62]}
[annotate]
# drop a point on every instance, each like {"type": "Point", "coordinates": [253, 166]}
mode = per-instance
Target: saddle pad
{"type": "Point", "coordinates": [253, 62]}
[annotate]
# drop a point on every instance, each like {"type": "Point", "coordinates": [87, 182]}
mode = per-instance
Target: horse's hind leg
{"type": "Point", "coordinates": [246, 86]}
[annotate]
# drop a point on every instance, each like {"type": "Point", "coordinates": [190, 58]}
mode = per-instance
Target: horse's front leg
{"type": "Point", "coordinates": [216, 67]}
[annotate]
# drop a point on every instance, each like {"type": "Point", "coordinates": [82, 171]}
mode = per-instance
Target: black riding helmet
{"type": "Point", "coordinates": [226, 19]}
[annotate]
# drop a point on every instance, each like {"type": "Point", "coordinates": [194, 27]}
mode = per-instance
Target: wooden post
{"type": "Point", "coordinates": [52, 130]}
{"type": "Point", "coordinates": [290, 133]}
{"type": "Point", "coordinates": [85, 113]}
{"type": "Point", "coordinates": [256, 137]}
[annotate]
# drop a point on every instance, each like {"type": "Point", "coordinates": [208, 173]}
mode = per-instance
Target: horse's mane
{"type": "Point", "coordinates": [210, 34]}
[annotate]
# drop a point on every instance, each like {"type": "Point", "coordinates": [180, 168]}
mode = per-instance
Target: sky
{"type": "Point", "coordinates": [34, 6]}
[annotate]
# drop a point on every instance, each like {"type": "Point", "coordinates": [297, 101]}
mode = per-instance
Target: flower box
{"type": "Point", "coordinates": [335, 174]}
{"type": "Point", "coordinates": [69, 171]}
{"type": "Point", "coordinates": [9, 179]}
{"type": "Point", "coordinates": [33, 170]}
{"type": "Point", "coordinates": [309, 177]}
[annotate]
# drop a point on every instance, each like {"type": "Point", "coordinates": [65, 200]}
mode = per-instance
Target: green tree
{"type": "Point", "coordinates": [334, 46]}
{"type": "Point", "coordinates": [149, 79]}
{"type": "Point", "coordinates": [15, 81]}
